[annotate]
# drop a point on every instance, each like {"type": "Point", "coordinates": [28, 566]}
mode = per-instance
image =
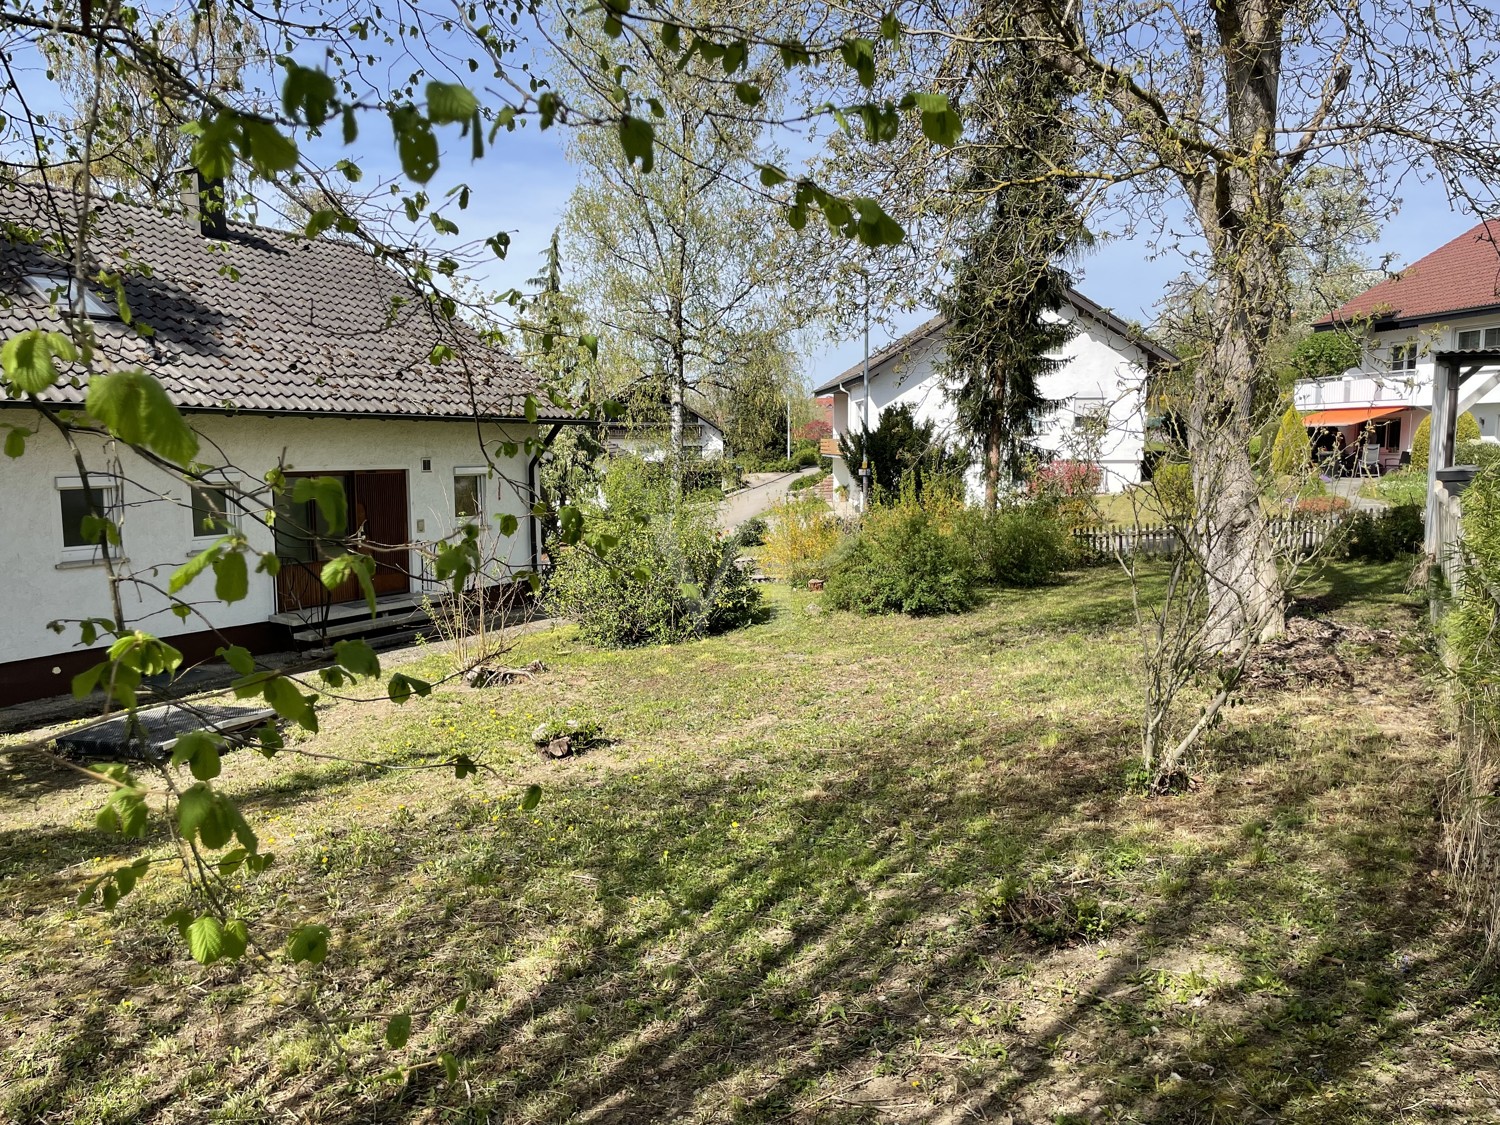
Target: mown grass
{"type": "Point", "coordinates": [828, 869]}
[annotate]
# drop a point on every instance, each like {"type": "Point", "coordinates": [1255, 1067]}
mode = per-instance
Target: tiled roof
{"type": "Point", "coordinates": [1156, 355]}
{"type": "Point", "coordinates": [1459, 276]}
{"type": "Point", "coordinates": [262, 320]}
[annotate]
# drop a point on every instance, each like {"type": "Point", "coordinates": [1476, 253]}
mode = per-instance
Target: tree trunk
{"type": "Point", "coordinates": [995, 443]}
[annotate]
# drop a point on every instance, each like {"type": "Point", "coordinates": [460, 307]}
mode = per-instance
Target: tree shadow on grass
{"type": "Point", "coordinates": [812, 938]}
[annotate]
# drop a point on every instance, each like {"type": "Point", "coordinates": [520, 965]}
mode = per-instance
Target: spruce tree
{"type": "Point", "coordinates": [1009, 283]}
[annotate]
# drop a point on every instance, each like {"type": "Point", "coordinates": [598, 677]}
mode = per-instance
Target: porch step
{"type": "Point", "coordinates": [347, 610]}
{"type": "Point", "coordinates": [361, 626]}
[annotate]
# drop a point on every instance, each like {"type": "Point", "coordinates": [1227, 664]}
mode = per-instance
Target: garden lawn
{"type": "Point", "coordinates": [829, 869]}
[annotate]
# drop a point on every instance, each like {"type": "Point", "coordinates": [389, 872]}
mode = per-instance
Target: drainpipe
{"type": "Point", "coordinates": [534, 524]}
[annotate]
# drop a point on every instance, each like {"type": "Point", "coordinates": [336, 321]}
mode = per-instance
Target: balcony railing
{"type": "Point", "coordinates": [1365, 390]}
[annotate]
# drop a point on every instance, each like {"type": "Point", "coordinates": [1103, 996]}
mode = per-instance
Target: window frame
{"type": "Point", "coordinates": [89, 554]}
{"type": "Point", "coordinates": [480, 475]}
{"type": "Point", "coordinates": [1458, 339]}
{"type": "Point", "coordinates": [230, 512]}
{"type": "Point", "coordinates": [1401, 359]}
{"type": "Point", "coordinates": [57, 290]}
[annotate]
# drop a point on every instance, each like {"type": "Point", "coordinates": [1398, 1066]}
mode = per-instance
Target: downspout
{"type": "Point", "coordinates": [533, 522]}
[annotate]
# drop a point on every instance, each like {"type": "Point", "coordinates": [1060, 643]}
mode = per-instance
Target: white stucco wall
{"type": "Point", "coordinates": [1101, 370]}
{"type": "Point", "coordinates": [157, 526]}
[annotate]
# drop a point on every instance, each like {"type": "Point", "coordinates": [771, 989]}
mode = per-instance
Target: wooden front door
{"type": "Point", "coordinates": [377, 526]}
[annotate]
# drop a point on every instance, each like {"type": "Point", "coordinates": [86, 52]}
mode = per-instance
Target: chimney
{"type": "Point", "coordinates": [203, 203]}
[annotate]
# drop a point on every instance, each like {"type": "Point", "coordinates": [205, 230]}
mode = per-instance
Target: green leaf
{"type": "Point", "coordinates": [449, 103]}
{"type": "Point", "coordinates": [28, 360]}
{"type": "Point", "coordinates": [200, 749]}
{"type": "Point", "coordinates": [508, 524]}
{"type": "Point", "coordinates": [463, 766]}
{"type": "Point", "coordinates": [195, 566]}
{"type": "Point", "coordinates": [307, 95]}
{"type": "Point", "coordinates": [213, 146]}
{"type": "Point", "coordinates": [238, 658]}
{"type": "Point", "coordinates": [287, 700]}
{"type": "Point", "coordinates": [133, 406]}
{"type": "Point", "coordinates": [358, 657]}
{"type": "Point", "coordinates": [205, 938]}
{"type": "Point", "coordinates": [531, 798]}
{"type": "Point", "coordinates": [15, 443]}
{"type": "Point", "coordinates": [637, 139]}
{"type": "Point", "coordinates": [268, 149]}
{"type": "Point", "coordinates": [890, 27]}
{"type": "Point", "coordinates": [340, 568]}
{"type": "Point", "coordinates": [859, 56]}
{"type": "Point", "coordinates": [398, 1031]}
{"type": "Point", "coordinates": [231, 577]}
{"type": "Point", "coordinates": [308, 943]}
{"type": "Point", "coordinates": [450, 1066]}
{"type": "Point", "coordinates": [941, 123]}
{"type": "Point", "coordinates": [416, 144]}
{"type": "Point", "coordinates": [402, 687]}
{"type": "Point", "coordinates": [87, 680]}
{"type": "Point", "coordinates": [236, 939]}
{"type": "Point", "coordinates": [328, 494]}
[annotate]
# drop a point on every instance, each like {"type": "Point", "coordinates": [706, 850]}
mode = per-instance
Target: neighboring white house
{"type": "Point", "coordinates": [1106, 366]}
{"type": "Point", "coordinates": [652, 441]}
{"type": "Point", "coordinates": [284, 353]}
{"type": "Point", "coordinates": [1444, 304]}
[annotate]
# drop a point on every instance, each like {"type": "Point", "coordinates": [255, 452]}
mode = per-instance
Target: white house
{"type": "Point", "coordinates": [1444, 306]}
{"type": "Point", "coordinates": [1107, 365]}
{"type": "Point", "coordinates": [651, 441]}
{"type": "Point", "coordinates": [308, 357]}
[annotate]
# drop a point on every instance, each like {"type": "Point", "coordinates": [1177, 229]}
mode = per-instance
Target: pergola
{"type": "Point", "coordinates": [1460, 379]}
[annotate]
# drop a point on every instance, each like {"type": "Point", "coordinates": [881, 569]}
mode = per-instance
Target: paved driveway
{"type": "Point", "coordinates": [763, 490]}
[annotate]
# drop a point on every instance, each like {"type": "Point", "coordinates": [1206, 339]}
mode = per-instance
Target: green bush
{"type": "Point", "coordinates": [1172, 483]}
{"type": "Point", "coordinates": [1404, 486]}
{"type": "Point", "coordinates": [751, 533]}
{"type": "Point", "coordinates": [1480, 453]}
{"type": "Point", "coordinates": [1023, 546]}
{"type": "Point", "coordinates": [901, 562]}
{"type": "Point", "coordinates": [800, 535]}
{"type": "Point", "coordinates": [1382, 536]}
{"type": "Point", "coordinates": [1466, 429]}
{"type": "Point", "coordinates": [667, 578]}
{"type": "Point", "coordinates": [1291, 452]}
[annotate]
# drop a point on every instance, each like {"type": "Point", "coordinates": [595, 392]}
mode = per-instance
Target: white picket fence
{"type": "Point", "coordinates": [1298, 535]}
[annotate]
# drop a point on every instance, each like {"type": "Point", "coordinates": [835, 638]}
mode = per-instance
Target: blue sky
{"type": "Point", "coordinates": [522, 186]}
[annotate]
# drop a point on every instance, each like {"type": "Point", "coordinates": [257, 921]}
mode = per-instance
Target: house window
{"type": "Point", "coordinates": [76, 504]}
{"type": "Point", "coordinates": [59, 290]}
{"type": "Point", "coordinates": [468, 495]}
{"type": "Point", "coordinates": [1387, 434]}
{"type": "Point", "coordinates": [213, 514]}
{"type": "Point", "coordinates": [1404, 357]}
{"type": "Point", "coordinates": [1472, 339]}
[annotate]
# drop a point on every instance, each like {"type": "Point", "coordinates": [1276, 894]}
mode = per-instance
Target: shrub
{"type": "Point", "coordinates": [901, 562]}
{"type": "Point", "coordinates": [1480, 453]}
{"type": "Point", "coordinates": [803, 483]}
{"type": "Point", "coordinates": [1384, 535]}
{"type": "Point", "coordinates": [751, 533]}
{"type": "Point", "coordinates": [669, 577]}
{"type": "Point", "coordinates": [1023, 546]}
{"type": "Point", "coordinates": [1291, 452]}
{"type": "Point", "coordinates": [1465, 430]}
{"type": "Point", "coordinates": [1172, 483]}
{"type": "Point", "coordinates": [800, 533]}
{"type": "Point", "coordinates": [1404, 486]}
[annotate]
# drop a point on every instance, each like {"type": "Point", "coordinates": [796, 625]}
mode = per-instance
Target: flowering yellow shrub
{"type": "Point", "coordinates": [800, 533]}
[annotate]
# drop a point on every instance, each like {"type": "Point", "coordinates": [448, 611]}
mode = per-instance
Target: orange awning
{"type": "Point", "coordinates": [1351, 416]}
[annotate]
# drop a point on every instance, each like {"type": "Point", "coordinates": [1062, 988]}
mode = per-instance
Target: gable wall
{"type": "Point", "coordinates": [1101, 368]}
